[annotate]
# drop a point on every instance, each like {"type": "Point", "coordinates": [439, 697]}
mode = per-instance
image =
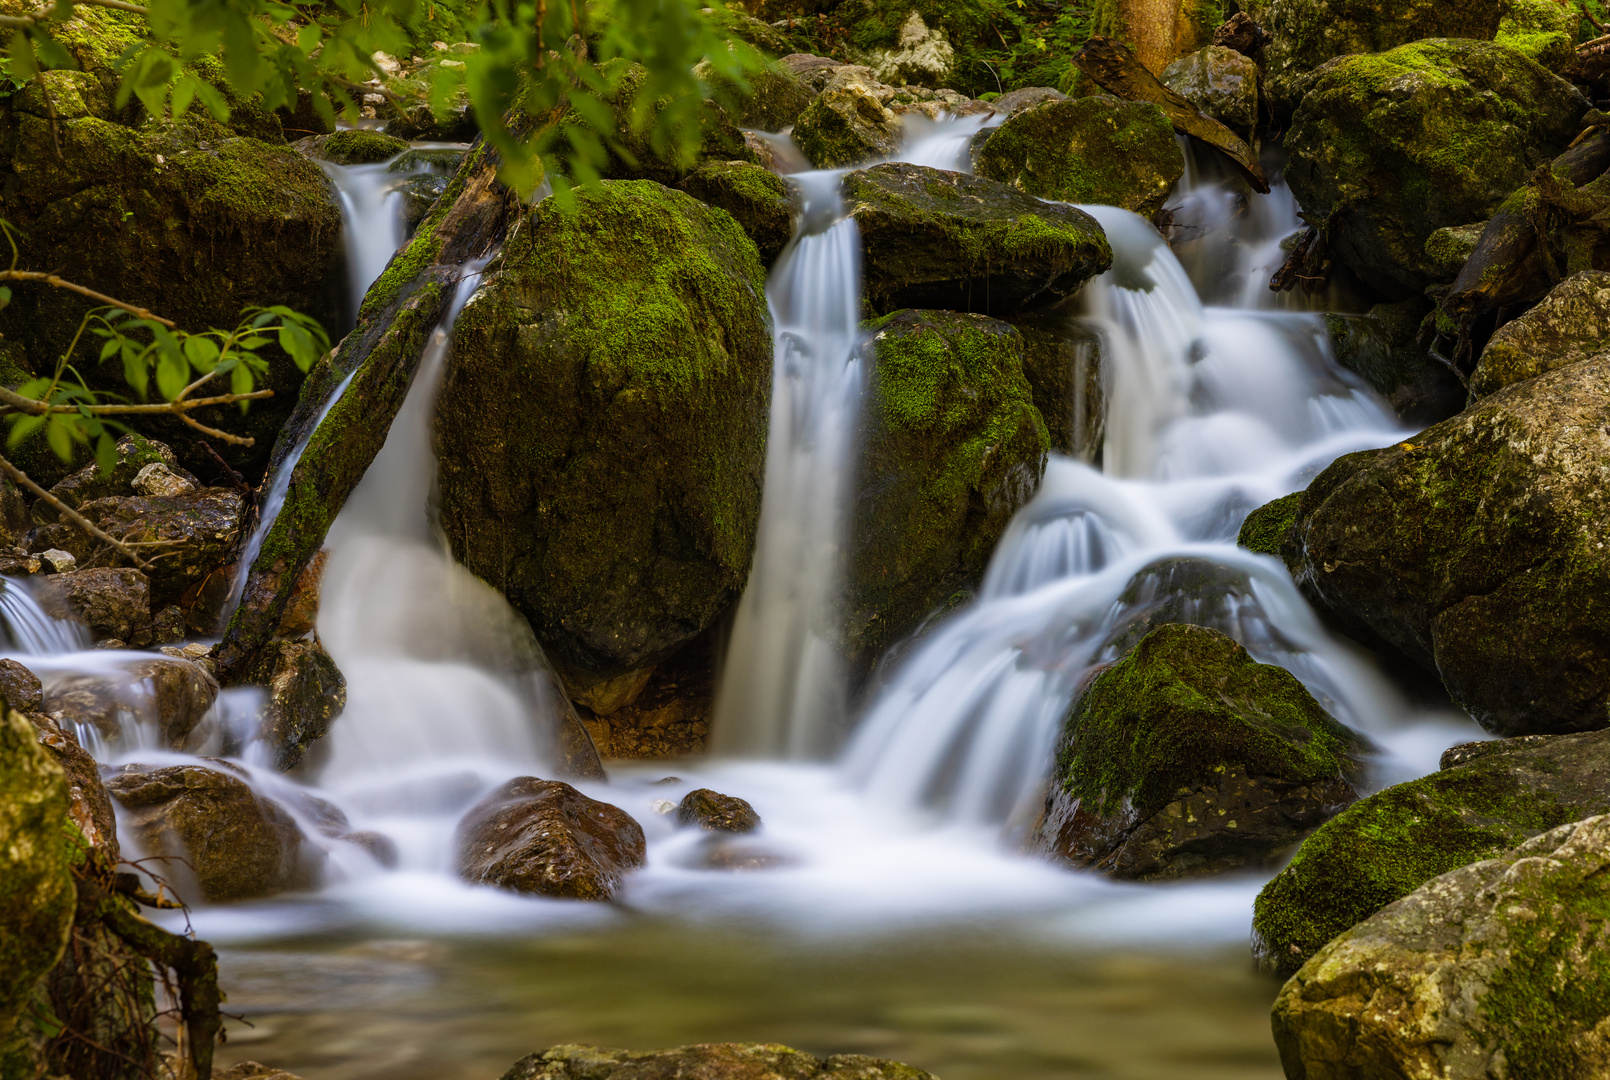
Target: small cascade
{"type": "Point", "coordinates": [29, 630]}
{"type": "Point", "coordinates": [372, 219]}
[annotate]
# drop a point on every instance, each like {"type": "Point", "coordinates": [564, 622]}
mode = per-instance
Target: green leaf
{"type": "Point", "coordinates": [23, 427]}
{"type": "Point", "coordinates": [240, 380]}
{"type": "Point", "coordinates": [201, 351]}
{"type": "Point", "coordinates": [106, 453]}
{"type": "Point", "coordinates": [59, 436]}
{"type": "Point", "coordinates": [172, 374]}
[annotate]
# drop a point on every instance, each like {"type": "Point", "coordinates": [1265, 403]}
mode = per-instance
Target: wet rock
{"type": "Point", "coordinates": [937, 239]}
{"type": "Point", "coordinates": [1390, 148]}
{"type": "Point", "coordinates": [611, 379]}
{"type": "Point", "coordinates": [1572, 324]}
{"type": "Point", "coordinates": [777, 98]}
{"type": "Point", "coordinates": [1187, 757]}
{"type": "Point", "coordinates": [167, 625]}
{"type": "Point", "coordinates": [419, 194]}
{"type": "Point", "coordinates": [90, 807]}
{"type": "Point", "coordinates": [158, 479]}
{"type": "Point", "coordinates": [1387, 845]}
{"type": "Point", "coordinates": [924, 56]}
{"type": "Point", "coordinates": [952, 447]}
{"type": "Point", "coordinates": [1241, 33]}
{"type": "Point", "coordinates": [1448, 249]}
{"type": "Point", "coordinates": [15, 520]}
{"type": "Point", "coordinates": [303, 693]}
{"type": "Point", "coordinates": [1494, 969]}
{"type": "Point", "coordinates": [1382, 346]}
{"type": "Point", "coordinates": [169, 696]}
{"type": "Point", "coordinates": [815, 72]}
{"type": "Point", "coordinates": [1267, 528]}
{"type": "Point", "coordinates": [20, 688]}
{"type": "Point", "coordinates": [1219, 81]}
{"type": "Point", "coordinates": [847, 124]}
{"type": "Point", "coordinates": [251, 1070]}
{"type": "Point", "coordinates": [238, 845]}
{"type": "Point", "coordinates": [180, 693]}
{"type": "Point", "coordinates": [1482, 558]}
{"type": "Point", "coordinates": [1062, 359]}
{"type": "Point", "coordinates": [354, 146]}
{"type": "Point", "coordinates": [759, 200]}
{"type": "Point", "coordinates": [706, 1061]}
{"type": "Point", "coordinates": [302, 610]}
{"type": "Point", "coordinates": [410, 115]}
{"type": "Point", "coordinates": [134, 454]}
{"type": "Point", "coordinates": [58, 562]}
{"type": "Point", "coordinates": [36, 892]}
{"type": "Point", "coordinates": [1086, 150]}
{"type": "Point", "coordinates": [1015, 101]}
{"type": "Point", "coordinates": [543, 836]}
{"type": "Point", "coordinates": [715, 812]}
{"type": "Point", "coordinates": [111, 602]}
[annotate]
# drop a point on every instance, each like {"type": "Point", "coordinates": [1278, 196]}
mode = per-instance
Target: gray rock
{"type": "Point", "coordinates": [20, 688]}
{"type": "Point", "coordinates": [847, 124]}
{"type": "Point", "coordinates": [1221, 82]}
{"type": "Point", "coordinates": [1382, 346]}
{"type": "Point", "coordinates": [1570, 325]}
{"type": "Point", "coordinates": [1022, 98]}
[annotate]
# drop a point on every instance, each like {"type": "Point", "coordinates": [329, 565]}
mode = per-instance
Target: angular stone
{"type": "Point", "coordinates": [20, 688]}
{"type": "Point", "coordinates": [847, 124]}
{"type": "Point", "coordinates": [1383, 347]}
{"type": "Point", "coordinates": [111, 602]}
{"type": "Point", "coordinates": [1221, 82]}
{"type": "Point", "coordinates": [303, 693]}
{"type": "Point", "coordinates": [544, 836]}
{"type": "Point", "coordinates": [760, 201]}
{"type": "Point", "coordinates": [1571, 325]}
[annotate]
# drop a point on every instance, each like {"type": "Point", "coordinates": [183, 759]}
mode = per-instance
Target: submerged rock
{"type": "Point", "coordinates": [602, 427]}
{"type": "Point", "coordinates": [544, 836]}
{"type": "Point", "coordinates": [847, 124]}
{"type": "Point", "coordinates": [705, 1061]}
{"type": "Point", "coordinates": [1483, 556]}
{"type": "Point", "coordinates": [1497, 969]}
{"type": "Point", "coordinates": [208, 824]}
{"type": "Point", "coordinates": [303, 693]}
{"type": "Point", "coordinates": [759, 200]}
{"type": "Point", "coordinates": [1086, 150]}
{"type": "Point", "coordinates": [1572, 324]}
{"type": "Point", "coordinates": [1487, 798]}
{"type": "Point", "coordinates": [715, 812]}
{"type": "Point", "coordinates": [937, 239]}
{"type": "Point", "coordinates": [1382, 346]}
{"type": "Point", "coordinates": [1390, 148]}
{"type": "Point", "coordinates": [952, 447]}
{"type": "Point", "coordinates": [1188, 757]}
{"type": "Point", "coordinates": [1219, 81]}
{"type": "Point", "coordinates": [113, 603]}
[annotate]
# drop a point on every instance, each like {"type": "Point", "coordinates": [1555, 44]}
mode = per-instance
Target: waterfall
{"type": "Point", "coordinates": [29, 630]}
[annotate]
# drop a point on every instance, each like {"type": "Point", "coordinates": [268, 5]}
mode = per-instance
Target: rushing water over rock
{"type": "Point", "coordinates": [29, 630]}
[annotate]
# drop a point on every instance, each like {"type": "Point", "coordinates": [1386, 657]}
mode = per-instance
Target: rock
{"type": "Point", "coordinates": [1542, 30]}
{"type": "Point", "coordinates": [1187, 757]}
{"type": "Point", "coordinates": [208, 823]}
{"type": "Point", "coordinates": [1086, 150]}
{"type": "Point", "coordinates": [937, 239]}
{"type": "Point", "coordinates": [924, 57]}
{"type": "Point", "coordinates": [847, 124]}
{"type": "Point", "coordinates": [715, 812]}
{"type": "Point", "coordinates": [419, 194]}
{"type": "Point", "coordinates": [1062, 359]}
{"type": "Point", "coordinates": [353, 146]}
{"type": "Point", "coordinates": [1240, 33]}
{"type": "Point", "coordinates": [1221, 82]}
{"type": "Point", "coordinates": [251, 1070]}
{"type": "Point", "coordinates": [1015, 101]}
{"type": "Point", "coordinates": [111, 602]}
{"type": "Point", "coordinates": [1481, 558]}
{"type": "Point", "coordinates": [90, 807]}
{"type": "Point", "coordinates": [1265, 529]}
{"type": "Point", "coordinates": [1391, 148]}
{"type": "Point", "coordinates": [168, 696]}
{"type": "Point", "coordinates": [15, 520]}
{"type": "Point", "coordinates": [722, 141]}
{"type": "Point", "coordinates": [952, 447]}
{"type": "Point", "coordinates": [57, 561]}
{"type": "Point", "coordinates": [134, 454]}
{"type": "Point", "coordinates": [167, 625]}
{"type": "Point", "coordinates": [37, 896]}
{"type": "Point", "coordinates": [776, 97]}
{"type": "Point", "coordinates": [1382, 346]}
{"type": "Point", "coordinates": [612, 378]}
{"type": "Point", "coordinates": [20, 688]}
{"type": "Point", "coordinates": [813, 72]}
{"type": "Point", "coordinates": [303, 693]}
{"type": "Point", "coordinates": [1449, 247]}
{"type": "Point", "coordinates": [543, 836]}
{"type": "Point", "coordinates": [1389, 844]}
{"type": "Point", "coordinates": [1495, 969]}
{"type": "Point", "coordinates": [179, 694]}
{"type": "Point", "coordinates": [157, 479]}
{"type": "Point", "coordinates": [1572, 324]}
{"type": "Point", "coordinates": [411, 116]}
{"type": "Point", "coordinates": [760, 201]}
{"type": "Point", "coordinates": [705, 1061]}
{"type": "Point", "coordinates": [302, 609]}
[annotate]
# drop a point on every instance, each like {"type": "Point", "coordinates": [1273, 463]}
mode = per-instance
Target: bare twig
{"type": "Point", "coordinates": [237, 440]}
{"type": "Point", "coordinates": [70, 514]}
{"type": "Point", "coordinates": [176, 408]}
{"type": "Point", "coordinates": [234, 477]}
{"type": "Point", "coordinates": [58, 282]}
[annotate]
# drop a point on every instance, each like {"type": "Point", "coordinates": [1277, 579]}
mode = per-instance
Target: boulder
{"type": "Point", "coordinates": [1382, 347]}
{"type": "Point", "coordinates": [923, 58]}
{"type": "Point", "coordinates": [302, 609]}
{"type": "Point", "coordinates": [303, 693]}
{"type": "Point", "coordinates": [1086, 150]}
{"type": "Point", "coordinates": [134, 454]}
{"type": "Point", "coordinates": [847, 124]}
{"type": "Point", "coordinates": [1265, 529]}
{"type": "Point", "coordinates": [1496, 969]}
{"type": "Point", "coordinates": [15, 520]}
{"type": "Point", "coordinates": [705, 1061]}
{"type": "Point", "coordinates": [544, 836]}
{"type": "Point", "coordinates": [173, 694]}
{"type": "Point", "coordinates": [1450, 247]}
{"type": "Point", "coordinates": [720, 138]}
{"type": "Point", "coordinates": [20, 688]}
{"type": "Point", "coordinates": [1221, 82]}
{"type": "Point", "coordinates": [353, 146]}
{"type": "Point", "coordinates": [1572, 324]}
{"type": "Point", "coordinates": [760, 201]}
{"type": "Point", "coordinates": [1015, 101]}
{"type": "Point", "coordinates": [90, 807]}
{"type": "Point", "coordinates": [1487, 798]}
{"type": "Point", "coordinates": [410, 115]}
{"type": "Point", "coordinates": [111, 602]}
{"type": "Point", "coordinates": [1387, 149]}
{"type": "Point", "coordinates": [715, 812]}
{"type": "Point", "coordinates": [1062, 359]}
{"type": "Point", "coordinates": [1474, 549]}
{"type": "Point", "coordinates": [937, 239]}
{"type": "Point", "coordinates": [952, 446]}
{"type": "Point", "coordinates": [601, 430]}
{"type": "Point", "coordinates": [158, 479]}
{"type": "Point", "coordinates": [1542, 30]}
{"type": "Point", "coordinates": [1187, 757]}
{"type": "Point", "coordinates": [208, 824]}
{"type": "Point", "coordinates": [775, 100]}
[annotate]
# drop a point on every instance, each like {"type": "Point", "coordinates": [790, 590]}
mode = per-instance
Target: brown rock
{"type": "Point", "coordinates": [91, 808]}
{"type": "Point", "coordinates": [705, 1061]}
{"type": "Point", "coordinates": [111, 602]}
{"type": "Point", "coordinates": [179, 693]}
{"type": "Point", "coordinates": [303, 693]}
{"type": "Point", "coordinates": [302, 609]}
{"type": "Point", "coordinates": [20, 688]}
{"type": "Point", "coordinates": [251, 1070]}
{"type": "Point", "coordinates": [544, 836]}
{"type": "Point", "coordinates": [715, 812]}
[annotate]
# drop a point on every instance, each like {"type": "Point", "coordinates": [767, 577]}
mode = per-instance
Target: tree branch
{"type": "Point", "coordinates": [44, 14]}
{"type": "Point", "coordinates": [62, 283]}
{"type": "Point", "coordinates": [70, 514]}
{"type": "Point", "coordinates": [176, 408]}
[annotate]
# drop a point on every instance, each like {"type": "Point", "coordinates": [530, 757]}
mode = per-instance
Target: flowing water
{"type": "Point", "coordinates": [899, 915]}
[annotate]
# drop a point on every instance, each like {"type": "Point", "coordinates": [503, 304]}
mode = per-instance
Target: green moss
{"type": "Point", "coordinates": [356, 146]}
{"type": "Point", "coordinates": [1267, 527]}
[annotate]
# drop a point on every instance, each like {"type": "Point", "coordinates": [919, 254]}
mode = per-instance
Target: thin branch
{"type": "Point", "coordinates": [177, 408]}
{"type": "Point", "coordinates": [62, 283]}
{"type": "Point", "coordinates": [1588, 15]}
{"type": "Point", "coordinates": [70, 514]}
{"type": "Point", "coordinates": [238, 440]}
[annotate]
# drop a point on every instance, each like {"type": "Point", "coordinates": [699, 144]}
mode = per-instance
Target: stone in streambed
{"type": "Point", "coordinates": [1221, 82]}
{"type": "Point", "coordinates": [1487, 798]}
{"type": "Point", "coordinates": [90, 809]}
{"type": "Point", "coordinates": [1571, 324]}
{"type": "Point", "coordinates": [303, 693]}
{"type": "Point", "coordinates": [1187, 757]}
{"type": "Point", "coordinates": [134, 454]}
{"type": "Point", "coordinates": [1382, 347]}
{"type": "Point", "coordinates": [354, 146]}
{"type": "Point", "coordinates": [545, 837]}
{"type": "Point", "coordinates": [847, 124]}
{"type": "Point", "coordinates": [705, 1061]}
{"type": "Point", "coordinates": [1063, 358]}
{"type": "Point", "coordinates": [1265, 529]}
{"type": "Point", "coordinates": [111, 602]}
{"type": "Point", "coordinates": [20, 688]}
{"type": "Point", "coordinates": [715, 812]}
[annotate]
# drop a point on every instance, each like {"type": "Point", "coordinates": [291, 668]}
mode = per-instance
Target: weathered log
{"type": "Point", "coordinates": [1115, 68]}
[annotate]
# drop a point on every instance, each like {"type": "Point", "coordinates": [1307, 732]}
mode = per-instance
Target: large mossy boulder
{"type": "Point", "coordinates": [952, 447]}
{"type": "Point", "coordinates": [1063, 359]}
{"type": "Point", "coordinates": [937, 239]}
{"type": "Point", "coordinates": [1087, 150]}
{"type": "Point", "coordinates": [1387, 149]}
{"type": "Point", "coordinates": [1572, 324]}
{"type": "Point", "coordinates": [1187, 757]}
{"type": "Point", "coordinates": [1488, 798]}
{"type": "Point", "coordinates": [1501, 968]}
{"type": "Point", "coordinates": [1476, 549]}
{"type": "Point", "coordinates": [1382, 346]}
{"type": "Point", "coordinates": [761, 202]}
{"type": "Point", "coordinates": [1542, 29]}
{"type": "Point", "coordinates": [602, 426]}
{"type": "Point", "coordinates": [705, 1061]}
{"type": "Point", "coordinates": [720, 139]}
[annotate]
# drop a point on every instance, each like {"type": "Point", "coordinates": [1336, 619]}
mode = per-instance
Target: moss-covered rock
{"type": "Point", "coordinates": [1449, 247]}
{"type": "Point", "coordinates": [760, 201]}
{"type": "Point", "coordinates": [938, 239]}
{"type": "Point", "coordinates": [847, 124]}
{"type": "Point", "coordinates": [1265, 529]}
{"type": "Point", "coordinates": [1221, 82]}
{"type": "Point", "coordinates": [353, 146]}
{"type": "Point", "coordinates": [1188, 757]}
{"type": "Point", "coordinates": [775, 97]}
{"type": "Point", "coordinates": [720, 138]}
{"type": "Point", "coordinates": [1489, 798]}
{"type": "Point", "coordinates": [953, 446]}
{"type": "Point", "coordinates": [1086, 150]}
{"type": "Point", "coordinates": [1497, 969]}
{"type": "Point", "coordinates": [1387, 149]}
{"type": "Point", "coordinates": [708, 1061]}
{"type": "Point", "coordinates": [1383, 347]}
{"type": "Point", "coordinates": [1572, 324]}
{"type": "Point", "coordinates": [1473, 548]}
{"type": "Point", "coordinates": [602, 425]}
{"type": "Point", "coordinates": [1541, 29]}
